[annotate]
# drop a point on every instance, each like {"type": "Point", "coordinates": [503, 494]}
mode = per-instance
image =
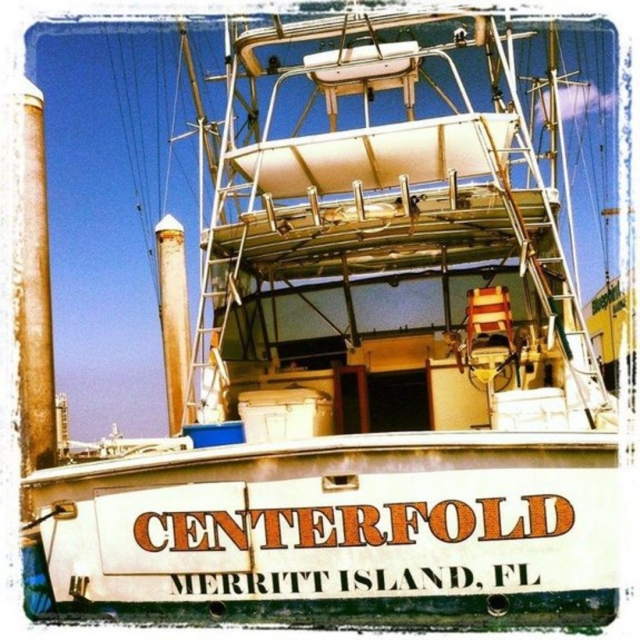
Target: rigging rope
{"type": "Point", "coordinates": [126, 113]}
{"type": "Point", "coordinates": [34, 523]}
{"type": "Point", "coordinates": [172, 131]}
{"type": "Point", "coordinates": [134, 124]}
{"type": "Point", "coordinates": [594, 169]}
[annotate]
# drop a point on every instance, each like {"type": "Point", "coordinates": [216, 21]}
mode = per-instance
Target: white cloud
{"type": "Point", "coordinates": [576, 101]}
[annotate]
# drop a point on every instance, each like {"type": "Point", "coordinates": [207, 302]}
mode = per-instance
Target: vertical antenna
{"type": "Point", "coordinates": [553, 107]}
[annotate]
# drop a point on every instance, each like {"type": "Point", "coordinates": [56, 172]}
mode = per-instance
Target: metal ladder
{"type": "Point", "coordinates": [215, 297]}
{"type": "Point", "coordinates": [536, 265]}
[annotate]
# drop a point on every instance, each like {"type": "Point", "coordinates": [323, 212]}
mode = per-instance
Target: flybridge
{"type": "Point", "coordinates": [356, 525]}
{"type": "Point", "coordinates": [435, 173]}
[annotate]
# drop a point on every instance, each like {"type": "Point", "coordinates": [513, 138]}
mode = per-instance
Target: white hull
{"type": "Point", "coordinates": [404, 517]}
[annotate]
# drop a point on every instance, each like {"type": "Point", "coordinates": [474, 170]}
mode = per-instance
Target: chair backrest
{"type": "Point", "coordinates": [489, 312]}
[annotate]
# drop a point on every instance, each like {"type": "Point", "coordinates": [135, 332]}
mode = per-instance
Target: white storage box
{"type": "Point", "coordinates": [530, 410]}
{"type": "Point", "coordinates": [285, 414]}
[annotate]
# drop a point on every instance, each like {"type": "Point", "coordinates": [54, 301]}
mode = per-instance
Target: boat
{"type": "Point", "coordinates": [392, 415]}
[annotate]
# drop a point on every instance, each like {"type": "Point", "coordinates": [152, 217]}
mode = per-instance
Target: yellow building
{"type": "Point", "coordinates": [610, 318]}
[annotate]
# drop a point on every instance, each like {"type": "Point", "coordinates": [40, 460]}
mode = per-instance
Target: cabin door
{"type": "Point", "coordinates": [350, 399]}
{"type": "Point", "coordinates": [398, 401]}
{"type": "Point", "coordinates": [380, 402]}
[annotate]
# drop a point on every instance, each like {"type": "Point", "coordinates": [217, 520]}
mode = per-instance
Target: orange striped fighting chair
{"type": "Point", "coordinates": [490, 337]}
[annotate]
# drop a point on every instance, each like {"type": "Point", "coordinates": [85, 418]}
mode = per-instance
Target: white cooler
{"type": "Point", "coordinates": [542, 409]}
{"type": "Point", "coordinates": [285, 414]}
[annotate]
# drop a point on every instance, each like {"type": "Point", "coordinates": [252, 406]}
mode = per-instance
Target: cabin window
{"type": "Point", "coordinates": [398, 305]}
{"type": "Point", "coordinates": [308, 329]}
{"type": "Point", "coordinates": [458, 287]}
{"type": "Point", "coordinates": [314, 314]}
{"type": "Point", "coordinates": [244, 335]}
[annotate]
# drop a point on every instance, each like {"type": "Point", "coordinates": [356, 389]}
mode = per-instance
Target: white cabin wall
{"type": "Point", "coordinates": [400, 353]}
{"type": "Point", "coordinates": [455, 402]}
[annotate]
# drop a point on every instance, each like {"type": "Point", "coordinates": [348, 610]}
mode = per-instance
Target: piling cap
{"type": "Point", "coordinates": [21, 91]}
{"type": "Point", "coordinates": [30, 89]}
{"type": "Point", "coordinates": [169, 223]}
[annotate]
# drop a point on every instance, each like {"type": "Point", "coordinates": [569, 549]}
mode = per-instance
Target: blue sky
{"type": "Point", "coordinates": [108, 351]}
{"type": "Point", "coordinates": [106, 193]}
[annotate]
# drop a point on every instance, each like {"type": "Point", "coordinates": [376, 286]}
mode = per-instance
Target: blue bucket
{"type": "Point", "coordinates": [216, 434]}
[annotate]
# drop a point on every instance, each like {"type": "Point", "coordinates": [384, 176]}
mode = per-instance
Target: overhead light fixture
{"type": "Point", "coordinates": [284, 227]}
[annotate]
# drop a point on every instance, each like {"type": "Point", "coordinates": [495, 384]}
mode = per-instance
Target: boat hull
{"type": "Point", "coordinates": [388, 531]}
{"type": "Point", "coordinates": [574, 610]}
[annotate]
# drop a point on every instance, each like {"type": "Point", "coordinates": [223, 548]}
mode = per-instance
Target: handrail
{"type": "Point", "coordinates": [304, 70]}
{"type": "Point", "coordinates": [331, 27]}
